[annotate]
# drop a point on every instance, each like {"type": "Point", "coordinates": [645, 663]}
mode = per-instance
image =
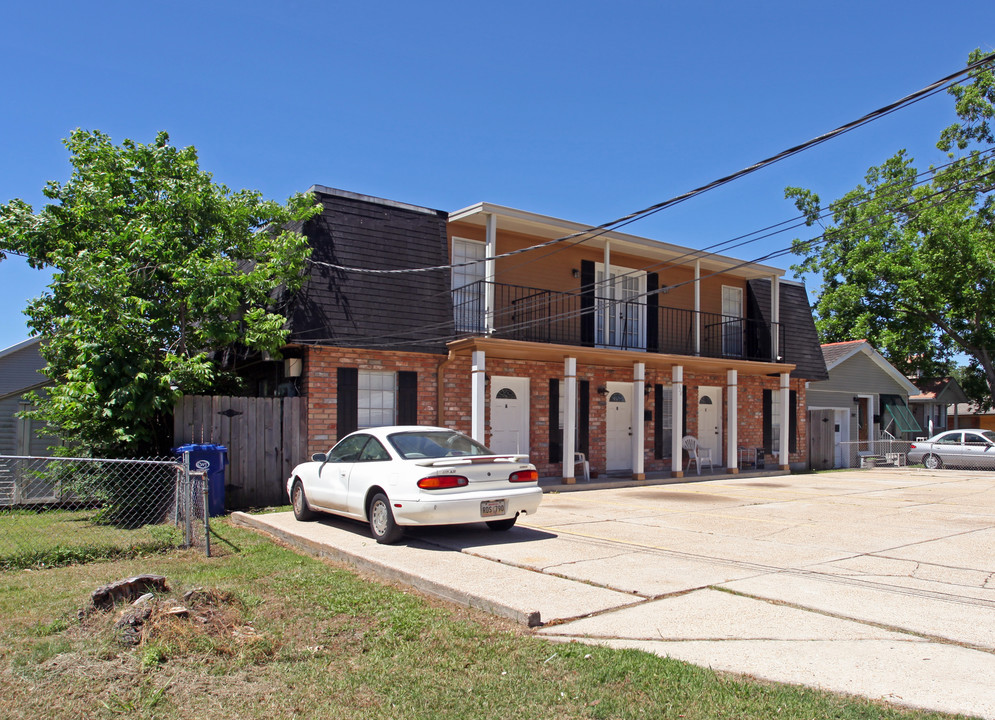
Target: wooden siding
{"type": "Point", "coordinates": [363, 310]}
{"type": "Point", "coordinates": [265, 437]}
{"type": "Point", "coordinates": [21, 369]}
{"type": "Point", "coordinates": [554, 271]}
{"type": "Point", "coordinates": [859, 375]}
{"type": "Point", "coordinates": [801, 341]}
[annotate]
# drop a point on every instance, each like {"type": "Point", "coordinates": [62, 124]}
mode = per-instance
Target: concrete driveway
{"type": "Point", "coordinates": [878, 583]}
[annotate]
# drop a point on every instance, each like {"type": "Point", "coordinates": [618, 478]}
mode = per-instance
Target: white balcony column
{"type": "Point", "coordinates": [478, 397]}
{"type": "Point", "coordinates": [569, 419]}
{"type": "Point", "coordinates": [732, 443]}
{"type": "Point", "coordinates": [607, 292]}
{"type": "Point", "coordinates": [490, 250]}
{"type": "Point", "coordinates": [775, 317]}
{"type": "Point", "coordinates": [697, 307]}
{"type": "Point", "coordinates": [785, 417]}
{"type": "Point", "coordinates": [638, 425]}
{"type": "Point", "coordinates": [676, 422]}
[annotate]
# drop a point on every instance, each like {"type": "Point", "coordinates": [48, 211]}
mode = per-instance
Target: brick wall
{"type": "Point", "coordinates": [321, 364]}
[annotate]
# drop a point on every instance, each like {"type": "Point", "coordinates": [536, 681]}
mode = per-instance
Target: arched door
{"type": "Point", "coordinates": [618, 427]}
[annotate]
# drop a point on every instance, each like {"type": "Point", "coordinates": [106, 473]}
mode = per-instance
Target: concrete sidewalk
{"type": "Point", "coordinates": [878, 583]}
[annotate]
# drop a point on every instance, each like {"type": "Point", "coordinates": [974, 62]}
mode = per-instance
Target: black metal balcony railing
{"type": "Point", "coordinates": [548, 316]}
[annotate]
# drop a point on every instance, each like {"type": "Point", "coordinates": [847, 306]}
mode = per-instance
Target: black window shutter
{"type": "Point", "coordinates": [347, 414]}
{"type": "Point", "coordinates": [652, 312]}
{"type": "Point", "coordinates": [587, 278]}
{"type": "Point", "coordinates": [555, 434]}
{"type": "Point", "coordinates": [584, 411]}
{"type": "Point", "coordinates": [793, 423]}
{"type": "Point", "coordinates": [658, 421]}
{"type": "Point", "coordinates": [768, 427]}
{"type": "Point", "coordinates": [684, 412]}
{"type": "Point", "coordinates": [407, 398]}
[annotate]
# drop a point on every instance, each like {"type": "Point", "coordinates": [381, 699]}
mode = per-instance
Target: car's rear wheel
{"type": "Point", "coordinates": [502, 525]}
{"type": "Point", "coordinates": [933, 462]}
{"type": "Point", "coordinates": [302, 511]}
{"type": "Point", "coordinates": [385, 530]}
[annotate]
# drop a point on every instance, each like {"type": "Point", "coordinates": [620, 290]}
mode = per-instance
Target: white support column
{"type": "Point", "coordinates": [490, 250]}
{"type": "Point", "coordinates": [732, 445]}
{"type": "Point", "coordinates": [478, 398]}
{"type": "Point", "coordinates": [569, 419]}
{"type": "Point", "coordinates": [638, 425]}
{"type": "Point", "coordinates": [607, 291]}
{"type": "Point", "coordinates": [676, 422]}
{"type": "Point", "coordinates": [775, 317]}
{"type": "Point", "coordinates": [697, 307]}
{"type": "Point", "coordinates": [785, 417]}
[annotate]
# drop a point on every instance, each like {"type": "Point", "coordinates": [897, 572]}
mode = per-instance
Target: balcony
{"type": "Point", "coordinates": [580, 318]}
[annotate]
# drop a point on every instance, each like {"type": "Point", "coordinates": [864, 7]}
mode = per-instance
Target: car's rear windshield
{"type": "Point", "coordinates": [435, 444]}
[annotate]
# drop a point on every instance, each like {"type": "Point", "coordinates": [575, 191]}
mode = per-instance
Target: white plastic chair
{"type": "Point", "coordinates": [696, 453]}
{"type": "Point", "coordinates": [579, 459]}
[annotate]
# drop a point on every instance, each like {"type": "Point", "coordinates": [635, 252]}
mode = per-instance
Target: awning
{"type": "Point", "coordinates": [895, 406]}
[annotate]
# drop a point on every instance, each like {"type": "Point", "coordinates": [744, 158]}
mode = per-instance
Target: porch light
{"type": "Point", "coordinates": [602, 390]}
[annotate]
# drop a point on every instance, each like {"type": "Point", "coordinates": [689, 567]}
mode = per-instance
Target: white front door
{"type": "Point", "coordinates": [509, 415]}
{"type": "Point", "coordinates": [618, 427]}
{"type": "Point", "coordinates": [841, 434]}
{"type": "Point", "coordinates": [710, 421]}
{"type": "Point", "coordinates": [620, 319]}
{"type": "Point", "coordinates": [732, 323]}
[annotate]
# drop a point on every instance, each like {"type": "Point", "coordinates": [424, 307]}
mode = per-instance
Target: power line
{"type": "Point", "coordinates": [365, 341]}
{"type": "Point", "coordinates": [931, 89]}
{"type": "Point", "coordinates": [894, 189]}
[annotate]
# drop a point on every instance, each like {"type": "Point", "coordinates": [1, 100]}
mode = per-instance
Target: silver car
{"type": "Point", "coordinates": [956, 448]}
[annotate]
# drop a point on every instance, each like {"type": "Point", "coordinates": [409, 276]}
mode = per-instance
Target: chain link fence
{"type": "Point", "coordinates": [56, 511]}
{"type": "Point", "coordinates": [875, 453]}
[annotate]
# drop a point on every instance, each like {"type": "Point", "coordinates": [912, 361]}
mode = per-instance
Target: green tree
{"type": "Point", "coordinates": [908, 259]}
{"type": "Point", "coordinates": [156, 267]}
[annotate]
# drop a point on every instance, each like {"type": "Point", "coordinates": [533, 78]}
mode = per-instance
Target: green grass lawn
{"type": "Point", "coordinates": [46, 538]}
{"type": "Point", "coordinates": [290, 636]}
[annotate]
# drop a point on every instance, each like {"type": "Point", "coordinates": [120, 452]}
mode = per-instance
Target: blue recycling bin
{"type": "Point", "coordinates": [211, 459]}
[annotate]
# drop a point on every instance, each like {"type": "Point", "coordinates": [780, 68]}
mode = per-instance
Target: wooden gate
{"type": "Point", "coordinates": [822, 439]}
{"type": "Point", "coordinates": [265, 437]}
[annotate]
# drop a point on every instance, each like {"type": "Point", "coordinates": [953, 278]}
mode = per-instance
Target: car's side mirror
{"type": "Point", "coordinates": [319, 457]}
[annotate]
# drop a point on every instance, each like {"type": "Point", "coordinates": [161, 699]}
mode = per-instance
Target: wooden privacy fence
{"type": "Point", "coordinates": [265, 437]}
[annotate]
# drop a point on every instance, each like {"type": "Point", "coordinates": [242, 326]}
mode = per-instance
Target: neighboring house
{"type": "Point", "coordinates": [969, 415]}
{"type": "Point", "coordinates": [20, 372]}
{"type": "Point", "coordinates": [864, 400]}
{"type": "Point", "coordinates": [610, 345]}
{"type": "Point", "coordinates": [929, 405]}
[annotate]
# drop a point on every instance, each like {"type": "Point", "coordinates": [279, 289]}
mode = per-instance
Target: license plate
{"type": "Point", "coordinates": [492, 508]}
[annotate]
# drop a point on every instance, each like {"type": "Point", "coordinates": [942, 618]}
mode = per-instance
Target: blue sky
{"type": "Point", "coordinates": [582, 110]}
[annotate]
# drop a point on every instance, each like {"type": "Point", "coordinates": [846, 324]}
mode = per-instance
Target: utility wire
{"type": "Point", "coordinates": [591, 233]}
{"type": "Point", "coordinates": [894, 188]}
{"type": "Point", "coordinates": [402, 338]}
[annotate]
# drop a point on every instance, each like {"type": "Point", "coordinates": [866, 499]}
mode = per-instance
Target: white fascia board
{"type": "Point", "coordinates": [551, 227]}
{"type": "Point", "coordinates": [20, 346]}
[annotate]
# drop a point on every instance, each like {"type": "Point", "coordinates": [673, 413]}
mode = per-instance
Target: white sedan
{"type": "Point", "coordinates": [392, 477]}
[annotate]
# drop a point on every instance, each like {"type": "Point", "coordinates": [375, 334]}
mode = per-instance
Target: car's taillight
{"type": "Point", "coordinates": [439, 482]}
{"type": "Point", "coordinates": [523, 476]}
{"type": "Point", "coordinates": [912, 446]}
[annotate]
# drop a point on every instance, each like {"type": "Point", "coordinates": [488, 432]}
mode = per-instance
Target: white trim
{"type": "Point", "coordinates": [638, 426]}
{"type": "Point", "coordinates": [569, 416]}
{"type": "Point", "coordinates": [20, 346]}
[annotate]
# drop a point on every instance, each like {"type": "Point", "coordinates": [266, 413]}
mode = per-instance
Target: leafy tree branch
{"type": "Point", "coordinates": [156, 267]}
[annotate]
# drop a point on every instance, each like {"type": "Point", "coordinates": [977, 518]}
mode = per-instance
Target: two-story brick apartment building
{"type": "Point", "coordinates": [609, 344]}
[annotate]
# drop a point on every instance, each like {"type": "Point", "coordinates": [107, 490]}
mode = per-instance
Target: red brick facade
{"type": "Point", "coordinates": [322, 363]}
